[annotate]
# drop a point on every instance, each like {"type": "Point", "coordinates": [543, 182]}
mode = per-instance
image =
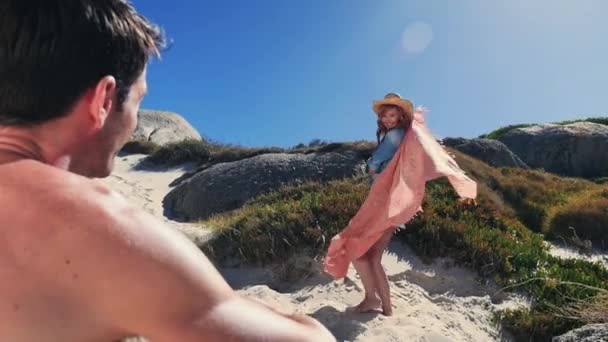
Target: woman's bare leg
{"type": "Point", "coordinates": [370, 301]}
{"type": "Point", "coordinates": [380, 279]}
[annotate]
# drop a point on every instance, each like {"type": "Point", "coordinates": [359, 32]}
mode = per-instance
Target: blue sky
{"type": "Point", "coordinates": [281, 72]}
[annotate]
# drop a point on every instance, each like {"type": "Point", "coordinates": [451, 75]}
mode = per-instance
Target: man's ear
{"type": "Point", "coordinates": [102, 101]}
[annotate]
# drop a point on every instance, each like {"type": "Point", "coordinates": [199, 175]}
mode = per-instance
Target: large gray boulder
{"type": "Point", "coordinates": [163, 127]}
{"type": "Point", "coordinates": [492, 152]}
{"type": "Point", "coordinates": [578, 149]}
{"type": "Point", "coordinates": [587, 333]}
{"type": "Point", "coordinates": [228, 186]}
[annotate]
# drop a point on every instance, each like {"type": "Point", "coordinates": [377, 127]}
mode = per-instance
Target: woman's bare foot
{"type": "Point", "coordinates": [368, 304]}
{"type": "Point", "coordinates": [387, 310]}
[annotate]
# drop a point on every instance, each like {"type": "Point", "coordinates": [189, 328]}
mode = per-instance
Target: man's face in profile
{"type": "Point", "coordinates": [96, 157]}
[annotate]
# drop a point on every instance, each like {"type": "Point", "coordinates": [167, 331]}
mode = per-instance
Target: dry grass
{"type": "Point", "coordinates": [584, 216]}
{"type": "Point", "coordinates": [588, 310]}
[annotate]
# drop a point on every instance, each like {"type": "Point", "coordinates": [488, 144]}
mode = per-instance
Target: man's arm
{"type": "Point", "coordinates": [241, 319]}
{"type": "Point", "coordinates": [151, 280]}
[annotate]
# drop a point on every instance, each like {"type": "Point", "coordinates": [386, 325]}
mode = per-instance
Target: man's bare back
{"type": "Point", "coordinates": [48, 252]}
{"type": "Point", "coordinates": [78, 263]}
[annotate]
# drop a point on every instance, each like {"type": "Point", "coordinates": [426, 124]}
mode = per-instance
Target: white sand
{"type": "Point", "coordinates": [565, 252]}
{"type": "Point", "coordinates": [437, 302]}
{"type": "Point", "coordinates": [147, 187]}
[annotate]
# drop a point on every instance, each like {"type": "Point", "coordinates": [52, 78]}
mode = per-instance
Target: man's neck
{"type": "Point", "coordinates": [19, 145]}
{"type": "Point", "coordinates": [15, 147]}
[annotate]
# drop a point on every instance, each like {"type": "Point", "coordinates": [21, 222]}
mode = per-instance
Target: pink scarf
{"type": "Point", "coordinates": [396, 195]}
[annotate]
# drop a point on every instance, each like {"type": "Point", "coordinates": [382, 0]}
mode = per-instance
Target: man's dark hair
{"type": "Point", "coordinates": [51, 51]}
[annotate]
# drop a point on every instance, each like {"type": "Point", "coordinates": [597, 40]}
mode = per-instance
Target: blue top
{"type": "Point", "coordinates": [386, 149]}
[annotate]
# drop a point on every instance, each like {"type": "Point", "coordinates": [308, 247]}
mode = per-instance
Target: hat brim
{"type": "Point", "coordinates": [404, 104]}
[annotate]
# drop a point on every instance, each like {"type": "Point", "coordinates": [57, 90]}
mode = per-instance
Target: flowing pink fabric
{"type": "Point", "coordinates": [396, 195]}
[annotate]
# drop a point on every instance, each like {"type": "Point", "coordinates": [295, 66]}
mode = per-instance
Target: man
{"type": "Point", "coordinates": [77, 262]}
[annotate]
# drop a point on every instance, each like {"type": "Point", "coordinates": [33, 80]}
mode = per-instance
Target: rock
{"type": "Point", "coordinates": [587, 333]}
{"type": "Point", "coordinates": [227, 186]}
{"type": "Point", "coordinates": [492, 152]}
{"type": "Point", "coordinates": [163, 127]}
{"type": "Point", "coordinates": [578, 149]}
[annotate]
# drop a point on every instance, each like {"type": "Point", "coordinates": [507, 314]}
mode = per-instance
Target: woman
{"type": "Point", "coordinates": [407, 156]}
{"type": "Point", "coordinates": [394, 118]}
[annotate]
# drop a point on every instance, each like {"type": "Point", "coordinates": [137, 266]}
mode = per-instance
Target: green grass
{"type": "Point", "coordinates": [560, 287]}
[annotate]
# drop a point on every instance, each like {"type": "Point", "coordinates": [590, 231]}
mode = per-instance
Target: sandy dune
{"type": "Point", "coordinates": [437, 302]}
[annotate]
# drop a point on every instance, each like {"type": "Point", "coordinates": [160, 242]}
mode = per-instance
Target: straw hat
{"type": "Point", "coordinates": [395, 100]}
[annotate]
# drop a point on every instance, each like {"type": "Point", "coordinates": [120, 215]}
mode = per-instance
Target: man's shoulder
{"type": "Point", "coordinates": [64, 213]}
{"type": "Point", "coordinates": [53, 193]}
{"type": "Point", "coordinates": [60, 215]}
{"type": "Point", "coordinates": [34, 173]}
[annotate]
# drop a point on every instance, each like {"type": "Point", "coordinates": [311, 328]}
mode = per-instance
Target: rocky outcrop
{"type": "Point", "coordinates": [163, 127]}
{"type": "Point", "coordinates": [228, 186]}
{"type": "Point", "coordinates": [587, 333]}
{"type": "Point", "coordinates": [579, 149]}
{"type": "Point", "coordinates": [492, 152]}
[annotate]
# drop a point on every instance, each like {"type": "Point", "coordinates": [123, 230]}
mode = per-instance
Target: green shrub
{"type": "Point", "coordinates": [275, 226]}
{"type": "Point", "coordinates": [140, 147]}
{"type": "Point", "coordinates": [196, 151]}
{"type": "Point", "coordinates": [583, 216]}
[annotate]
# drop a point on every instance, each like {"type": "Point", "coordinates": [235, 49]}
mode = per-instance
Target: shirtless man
{"type": "Point", "coordinates": [77, 262]}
